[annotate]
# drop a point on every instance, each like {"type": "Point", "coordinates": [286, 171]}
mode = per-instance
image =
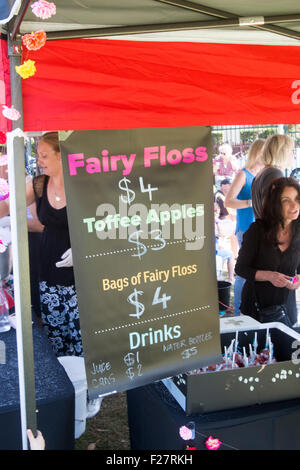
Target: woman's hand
{"type": "Point", "coordinates": [279, 279]}
{"type": "Point", "coordinates": [275, 278]}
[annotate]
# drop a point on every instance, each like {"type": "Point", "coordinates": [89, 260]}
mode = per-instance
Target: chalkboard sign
{"type": "Point", "coordinates": [141, 220]}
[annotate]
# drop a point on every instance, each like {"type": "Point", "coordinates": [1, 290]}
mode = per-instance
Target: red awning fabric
{"type": "Point", "coordinates": [107, 84]}
{"type": "Point", "coordinates": [5, 124]}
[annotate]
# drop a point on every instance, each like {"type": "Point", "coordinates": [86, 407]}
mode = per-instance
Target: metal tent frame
{"type": "Point", "coordinates": [201, 15]}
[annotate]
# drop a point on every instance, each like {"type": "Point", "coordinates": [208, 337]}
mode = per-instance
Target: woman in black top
{"type": "Point", "coordinates": [269, 257]}
{"type": "Point", "coordinates": [59, 309]}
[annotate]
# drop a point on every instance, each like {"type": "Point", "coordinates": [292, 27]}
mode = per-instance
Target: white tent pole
{"type": "Point", "coordinates": [16, 169]}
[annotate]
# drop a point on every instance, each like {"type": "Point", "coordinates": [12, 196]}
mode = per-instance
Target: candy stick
{"type": "Point", "coordinates": [271, 351]}
{"type": "Point", "coordinates": [226, 356]}
{"type": "Point", "coordinates": [255, 343]}
{"type": "Point", "coordinates": [245, 358]}
{"type": "Point", "coordinates": [250, 351]}
{"type": "Point", "coordinates": [267, 338]}
{"type": "Point", "coordinates": [236, 340]}
{"type": "Point", "coordinates": [230, 349]}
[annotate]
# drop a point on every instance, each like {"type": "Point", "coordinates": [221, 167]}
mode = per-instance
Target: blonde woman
{"type": "Point", "coordinates": [278, 154]}
{"type": "Point", "coordinates": [239, 198]}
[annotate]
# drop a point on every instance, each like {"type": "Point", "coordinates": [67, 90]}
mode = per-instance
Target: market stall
{"type": "Point", "coordinates": [134, 82]}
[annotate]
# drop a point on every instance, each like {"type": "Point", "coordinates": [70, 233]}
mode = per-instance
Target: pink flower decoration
{"type": "Point", "coordinates": [212, 444]}
{"type": "Point", "coordinates": [185, 433]}
{"type": "Point", "coordinates": [43, 9]}
{"type": "Point", "coordinates": [4, 189]}
{"type": "Point", "coordinates": [10, 113]}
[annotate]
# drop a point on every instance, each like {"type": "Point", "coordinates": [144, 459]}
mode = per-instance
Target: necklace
{"type": "Point", "coordinates": [57, 197]}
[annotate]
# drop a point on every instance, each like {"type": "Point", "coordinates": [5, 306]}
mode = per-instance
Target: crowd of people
{"type": "Point", "coordinates": [265, 217]}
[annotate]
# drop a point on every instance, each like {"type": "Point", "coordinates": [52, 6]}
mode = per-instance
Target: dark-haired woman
{"type": "Point", "coordinates": [269, 258]}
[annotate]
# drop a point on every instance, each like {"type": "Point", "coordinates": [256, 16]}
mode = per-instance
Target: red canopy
{"type": "Point", "coordinates": [102, 83]}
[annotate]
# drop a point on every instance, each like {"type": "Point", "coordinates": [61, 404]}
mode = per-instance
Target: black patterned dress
{"type": "Point", "coordinates": [59, 308]}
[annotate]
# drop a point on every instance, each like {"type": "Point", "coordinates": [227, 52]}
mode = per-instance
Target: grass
{"type": "Point", "coordinates": [108, 430]}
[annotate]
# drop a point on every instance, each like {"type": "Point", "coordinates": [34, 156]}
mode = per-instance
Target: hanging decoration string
{"type": "Point", "coordinates": [31, 42]}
